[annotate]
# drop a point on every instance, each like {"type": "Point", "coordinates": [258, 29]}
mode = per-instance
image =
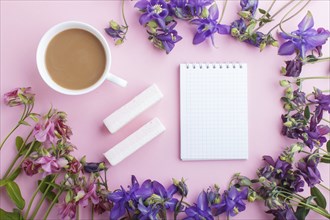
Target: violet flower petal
{"type": "Point", "coordinates": [287, 48]}
{"type": "Point", "coordinates": [307, 23]}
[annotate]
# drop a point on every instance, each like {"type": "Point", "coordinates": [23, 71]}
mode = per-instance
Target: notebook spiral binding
{"type": "Point", "coordinates": [213, 65]}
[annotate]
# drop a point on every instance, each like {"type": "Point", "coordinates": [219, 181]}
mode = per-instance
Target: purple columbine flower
{"type": "Point", "coordinates": [249, 5]}
{"type": "Point", "coordinates": [18, 96]}
{"type": "Point", "coordinates": [128, 200]}
{"type": "Point", "coordinates": [166, 40]}
{"type": "Point", "coordinates": [201, 210]}
{"type": "Point", "coordinates": [293, 68]}
{"type": "Point", "coordinates": [322, 100]}
{"type": "Point", "coordinates": [256, 39]}
{"type": "Point", "coordinates": [316, 136]}
{"type": "Point", "coordinates": [94, 167]}
{"type": "Point", "coordinates": [166, 195]}
{"type": "Point", "coordinates": [187, 9]}
{"type": "Point", "coordinates": [50, 164]}
{"type": "Point", "coordinates": [67, 210]}
{"type": "Point", "coordinates": [237, 28]}
{"type": "Point", "coordinates": [207, 27]}
{"type": "Point", "coordinates": [153, 10]}
{"type": "Point", "coordinates": [304, 39]}
{"type": "Point", "coordinates": [286, 213]}
{"type": "Point", "coordinates": [280, 168]}
{"type": "Point", "coordinates": [307, 168]}
{"type": "Point", "coordinates": [30, 167]}
{"type": "Point", "coordinates": [148, 212]}
{"type": "Point", "coordinates": [299, 97]}
{"type": "Point", "coordinates": [231, 202]}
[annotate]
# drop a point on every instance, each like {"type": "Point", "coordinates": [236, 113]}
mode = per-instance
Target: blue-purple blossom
{"type": "Point", "coordinates": [201, 210]}
{"type": "Point", "coordinates": [231, 202]}
{"type": "Point", "coordinates": [156, 10]}
{"type": "Point", "coordinates": [299, 97]}
{"type": "Point", "coordinates": [187, 9]}
{"type": "Point", "coordinates": [293, 68]}
{"type": "Point", "coordinates": [285, 213]}
{"type": "Point", "coordinates": [237, 28]}
{"type": "Point", "coordinates": [256, 39]}
{"type": "Point", "coordinates": [166, 195]}
{"type": "Point", "coordinates": [128, 200]}
{"type": "Point", "coordinates": [249, 5]}
{"type": "Point", "coordinates": [322, 100]}
{"type": "Point", "coordinates": [148, 212]}
{"type": "Point", "coordinates": [207, 27]}
{"type": "Point", "coordinates": [308, 170]}
{"type": "Point", "coordinates": [94, 167]}
{"type": "Point", "coordinates": [304, 39]}
{"type": "Point", "coordinates": [166, 39]}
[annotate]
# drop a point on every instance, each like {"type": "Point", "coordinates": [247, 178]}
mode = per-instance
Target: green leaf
{"type": "Point", "coordinates": [301, 213]}
{"type": "Point", "coordinates": [34, 117]}
{"type": "Point", "coordinates": [3, 182]}
{"type": "Point", "coordinates": [15, 215]}
{"type": "Point", "coordinates": [13, 176]}
{"type": "Point", "coordinates": [307, 113]}
{"type": "Point", "coordinates": [262, 11]}
{"type": "Point", "coordinates": [19, 142]}
{"type": "Point", "coordinates": [50, 196]}
{"type": "Point", "coordinates": [328, 146]}
{"type": "Point", "coordinates": [35, 147]}
{"type": "Point", "coordinates": [24, 123]}
{"type": "Point", "coordinates": [44, 185]}
{"type": "Point", "coordinates": [325, 159]}
{"type": "Point", "coordinates": [320, 200]}
{"type": "Point", "coordinates": [15, 195]}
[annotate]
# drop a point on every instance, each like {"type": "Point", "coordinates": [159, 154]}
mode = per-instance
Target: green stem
{"type": "Point", "coordinates": [77, 212]}
{"type": "Point", "coordinates": [32, 199]}
{"type": "Point", "coordinates": [92, 212]}
{"type": "Point", "coordinates": [52, 204]}
{"type": "Point", "coordinates": [313, 77]}
{"type": "Point", "coordinates": [281, 9]}
{"type": "Point", "coordinates": [177, 208]}
{"type": "Point", "coordinates": [24, 157]}
{"type": "Point", "coordinates": [315, 209]}
{"type": "Point", "coordinates": [223, 11]}
{"type": "Point", "coordinates": [36, 209]}
{"type": "Point", "coordinates": [12, 131]}
{"type": "Point", "coordinates": [17, 156]}
{"type": "Point", "coordinates": [283, 21]}
{"type": "Point", "coordinates": [324, 186]}
{"type": "Point", "coordinates": [123, 13]}
{"type": "Point", "coordinates": [263, 16]}
{"type": "Point", "coordinates": [318, 60]}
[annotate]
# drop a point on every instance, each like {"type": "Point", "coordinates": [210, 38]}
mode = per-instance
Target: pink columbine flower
{"type": "Point", "coordinates": [18, 96]}
{"type": "Point", "coordinates": [30, 167]}
{"type": "Point", "coordinates": [44, 131]}
{"type": "Point", "coordinates": [90, 194]}
{"type": "Point", "coordinates": [67, 210]}
{"type": "Point", "coordinates": [51, 165]}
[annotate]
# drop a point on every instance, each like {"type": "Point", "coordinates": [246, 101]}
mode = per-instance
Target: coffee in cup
{"type": "Point", "coordinates": [74, 58]}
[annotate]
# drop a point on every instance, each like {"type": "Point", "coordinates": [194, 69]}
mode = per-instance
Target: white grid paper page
{"type": "Point", "coordinates": [213, 111]}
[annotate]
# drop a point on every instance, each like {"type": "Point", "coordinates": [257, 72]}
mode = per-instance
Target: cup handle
{"type": "Point", "coordinates": [117, 80]}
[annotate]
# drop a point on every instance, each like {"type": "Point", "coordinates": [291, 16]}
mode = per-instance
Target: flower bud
{"type": "Point", "coordinates": [114, 25]}
{"type": "Point", "coordinates": [262, 179]}
{"type": "Point", "coordinates": [262, 46]}
{"type": "Point", "coordinates": [288, 124]}
{"type": "Point", "coordinates": [234, 32]}
{"type": "Point", "coordinates": [205, 13]}
{"type": "Point", "coordinates": [284, 83]}
{"type": "Point", "coordinates": [252, 196]}
{"type": "Point", "coordinates": [245, 14]}
{"type": "Point", "coordinates": [274, 43]}
{"type": "Point", "coordinates": [287, 107]}
{"type": "Point", "coordinates": [182, 186]}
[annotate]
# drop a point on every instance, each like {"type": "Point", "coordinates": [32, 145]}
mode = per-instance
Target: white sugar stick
{"type": "Point", "coordinates": [133, 108]}
{"type": "Point", "coordinates": [135, 141]}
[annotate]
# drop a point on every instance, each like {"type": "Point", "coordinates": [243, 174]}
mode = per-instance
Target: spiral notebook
{"type": "Point", "coordinates": [213, 111]}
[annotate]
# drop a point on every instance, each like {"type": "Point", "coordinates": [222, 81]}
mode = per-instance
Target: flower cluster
{"type": "Point", "coordinates": [303, 41]}
{"type": "Point", "coordinates": [47, 152]}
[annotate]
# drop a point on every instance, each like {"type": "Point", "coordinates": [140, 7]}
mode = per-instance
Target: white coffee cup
{"type": "Point", "coordinates": [41, 57]}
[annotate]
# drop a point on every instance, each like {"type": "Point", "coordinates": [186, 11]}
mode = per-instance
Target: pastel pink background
{"type": "Point", "coordinates": [24, 22]}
